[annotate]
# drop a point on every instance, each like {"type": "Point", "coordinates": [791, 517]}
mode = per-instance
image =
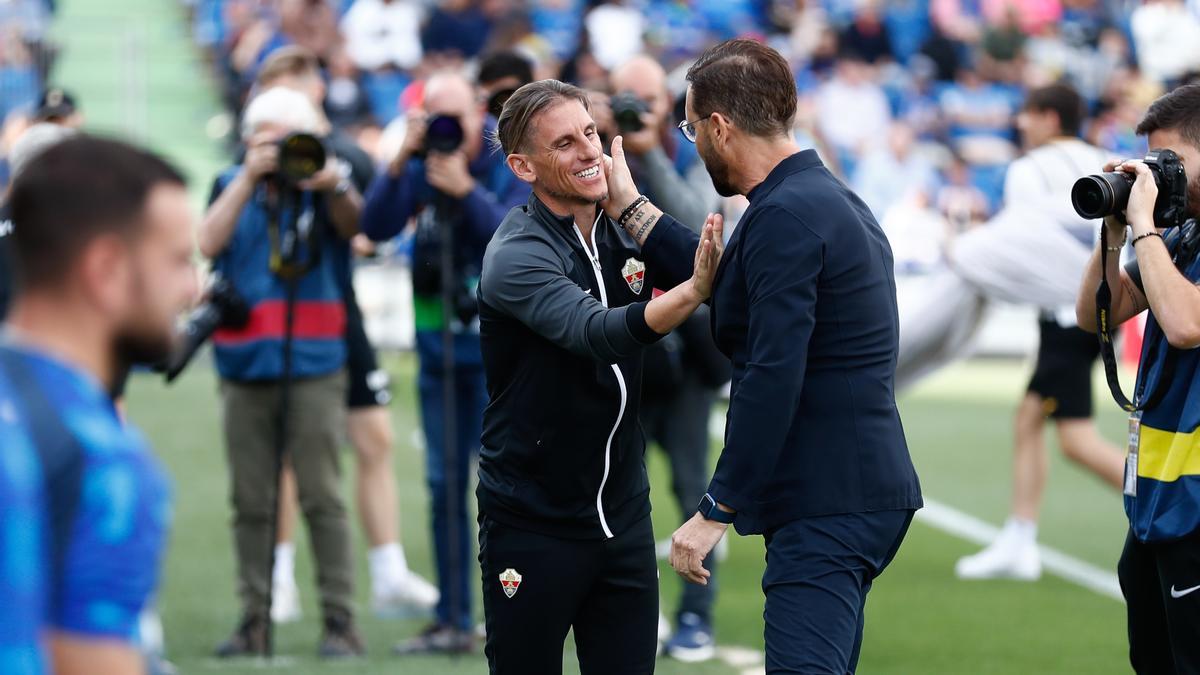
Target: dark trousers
{"type": "Point", "coordinates": [678, 422]}
{"type": "Point", "coordinates": [1161, 584]}
{"type": "Point", "coordinates": [452, 554]}
{"type": "Point", "coordinates": [607, 590]}
{"type": "Point", "coordinates": [819, 571]}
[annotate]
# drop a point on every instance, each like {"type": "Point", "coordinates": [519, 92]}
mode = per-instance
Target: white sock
{"type": "Point", "coordinates": [387, 564]}
{"type": "Point", "coordinates": [285, 563]}
{"type": "Point", "coordinates": [1021, 530]}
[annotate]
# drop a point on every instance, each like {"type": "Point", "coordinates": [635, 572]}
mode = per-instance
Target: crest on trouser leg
{"type": "Point", "coordinates": [510, 581]}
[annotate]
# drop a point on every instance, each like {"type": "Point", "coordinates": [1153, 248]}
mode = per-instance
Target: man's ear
{"type": "Point", "coordinates": [722, 129]}
{"type": "Point", "coordinates": [104, 269]}
{"type": "Point", "coordinates": [522, 167]}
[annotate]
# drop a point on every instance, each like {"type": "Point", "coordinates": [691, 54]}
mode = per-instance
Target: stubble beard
{"type": "Point", "coordinates": [575, 198]}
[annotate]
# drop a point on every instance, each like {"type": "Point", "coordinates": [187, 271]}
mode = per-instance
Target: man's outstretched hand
{"type": "Point", "coordinates": [708, 256]}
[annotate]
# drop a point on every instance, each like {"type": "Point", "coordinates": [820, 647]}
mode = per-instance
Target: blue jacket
{"type": "Point", "coordinates": [804, 304]}
{"type": "Point", "coordinates": [255, 351]}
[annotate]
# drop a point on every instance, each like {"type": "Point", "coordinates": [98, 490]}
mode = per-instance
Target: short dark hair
{"type": "Point", "coordinates": [73, 192]}
{"type": "Point", "coordinates": [749, 83]}
{"type": "Point", "coordinates": [499, 65]}
{"type": "Point", "coordinates": [292, 60]}
{"type": "Point", "coordinates": [1062, 100]}
{"type": "Point", "coordinates": [515, 124]}
{"type": "Point", "coordinates": [1177, 110]}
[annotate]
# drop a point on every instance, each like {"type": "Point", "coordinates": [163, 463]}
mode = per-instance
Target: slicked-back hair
{"type": "Point", "coordinates": [747, 82]}
{"type": "Point", "coordinates": [516, 123]}
{"type": "Point", "coordinates": [1062, 100]}
{"type": "Point", "coordinates": [1177, 110]}
{"type": "Point", "coordinates": [73, 192]}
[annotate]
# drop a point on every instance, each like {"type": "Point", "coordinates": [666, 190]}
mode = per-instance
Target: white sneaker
{"type": "Point", "coordinates": [409, 597]}
{"type": "Point", "coordinates": [1004, 558]}
{"type": "Point", "coordinates": [285, 602]}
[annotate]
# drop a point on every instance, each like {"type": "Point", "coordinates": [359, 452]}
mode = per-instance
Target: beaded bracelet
{"type": "Point", "coordinates": [1143, 236]}
{"type": "Point", "coordinates": [631, 209]}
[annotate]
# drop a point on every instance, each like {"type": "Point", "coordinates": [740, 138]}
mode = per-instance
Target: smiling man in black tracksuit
{"type": "Point", "coordinates": [565, 537]}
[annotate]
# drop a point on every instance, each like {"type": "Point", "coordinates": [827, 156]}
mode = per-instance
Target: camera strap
{"type": "Point", "coordinates": [286, 259]}
{"type": "Point", "coordinates": [1107, 354]}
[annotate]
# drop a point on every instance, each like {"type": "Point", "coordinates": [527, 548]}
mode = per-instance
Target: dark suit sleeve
{"type": "Point", "coordinates": [670, 252]}
{"type": "Point", "coordinates": [526, 280]}
{"type": "Point", "coordinates": [782, 261]}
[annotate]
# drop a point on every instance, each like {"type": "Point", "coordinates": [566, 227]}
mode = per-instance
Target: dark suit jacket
{"type": "Point", "coordinates": [805, 307]}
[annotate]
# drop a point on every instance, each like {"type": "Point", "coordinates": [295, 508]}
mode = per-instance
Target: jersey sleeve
{"type": "Point", "coordinates": [109, 566]}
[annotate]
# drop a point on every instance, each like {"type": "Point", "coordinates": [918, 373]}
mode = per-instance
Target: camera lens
{"type": "Point", "coordinates": [300, 157]}
{"type": "Point", "coordinates": [443, 134]}
{"type": "Point", "coordinates": [1102, 194]}
{"type": "Point", "coordinates": [627, 110]}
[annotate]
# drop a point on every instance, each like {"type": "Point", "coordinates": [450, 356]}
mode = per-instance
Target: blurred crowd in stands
{"type": "Point", "coordinates": [913, 102]}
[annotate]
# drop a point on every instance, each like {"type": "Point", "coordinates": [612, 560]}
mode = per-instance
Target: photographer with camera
{"type": "Point", "coordinates": [684, 370]}
{"type": "Point", "coordinates": [458, 193]}
{"type": "Point", "coordinates": [395, 589]}
{"type": "Point", "coordinates": [277, 229]}
{"type": "Point", "coordinates": [1156, 202]}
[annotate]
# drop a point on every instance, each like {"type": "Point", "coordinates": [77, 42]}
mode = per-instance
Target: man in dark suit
{"type": "Point", "coordinates": [804, 304]}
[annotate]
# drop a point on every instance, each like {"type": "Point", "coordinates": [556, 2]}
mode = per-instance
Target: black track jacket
{"type": "Point", "coordinates": [562, 339]}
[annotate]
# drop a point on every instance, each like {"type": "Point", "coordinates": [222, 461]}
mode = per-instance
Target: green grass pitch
{"type": "Point", "coordinates": [920, 619]}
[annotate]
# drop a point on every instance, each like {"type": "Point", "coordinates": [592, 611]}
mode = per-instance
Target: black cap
{"type": "Point", "coordinates": [55, 103]}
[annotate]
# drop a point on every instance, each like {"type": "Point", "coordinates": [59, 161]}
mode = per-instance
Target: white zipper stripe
{"type": "Point", "coordinates": [596, 270]}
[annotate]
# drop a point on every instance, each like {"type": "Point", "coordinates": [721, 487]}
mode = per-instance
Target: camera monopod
{"type": "Point", "coordinates": [293, 254]}
{"type": "Point", "coordinates": [448, 214]}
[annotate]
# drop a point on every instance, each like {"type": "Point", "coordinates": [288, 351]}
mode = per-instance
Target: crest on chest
{"type": "Point", "coordinates": [634, 272]}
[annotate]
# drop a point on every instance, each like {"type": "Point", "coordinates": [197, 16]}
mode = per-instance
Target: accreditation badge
{"type": "Point", "coordinates": [1131, 456]}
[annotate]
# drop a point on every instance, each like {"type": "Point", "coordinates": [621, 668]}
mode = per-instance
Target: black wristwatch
{"type": "Point", "coordinates": [708, 508]}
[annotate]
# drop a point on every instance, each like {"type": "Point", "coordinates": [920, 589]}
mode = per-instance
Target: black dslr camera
{"type": "Point", "coordinates": [1106, 194]}
{"type": "Point", "coordinates": [627, 111]}
{"type": "Point", "coordinates": [301, 156]}
{"type": "Point", "coordinates": [443, 133]}
{"type": "Point", "coordinates": [222, 308]}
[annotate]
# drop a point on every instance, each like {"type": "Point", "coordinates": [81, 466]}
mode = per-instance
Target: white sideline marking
{"type": "Point", "coordinates": [744, 661]}
{"type": "Point", "coordinates": [1074, 570]}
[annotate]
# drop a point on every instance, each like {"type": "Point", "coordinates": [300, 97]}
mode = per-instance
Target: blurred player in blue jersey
{"type": "Point", "coordinates": [102, 249]}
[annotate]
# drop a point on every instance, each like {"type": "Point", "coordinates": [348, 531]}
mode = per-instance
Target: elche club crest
{"type": "Point", "coordinates": [510, 581]}
{"type": "Point", "coordinates": [634, 272]}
